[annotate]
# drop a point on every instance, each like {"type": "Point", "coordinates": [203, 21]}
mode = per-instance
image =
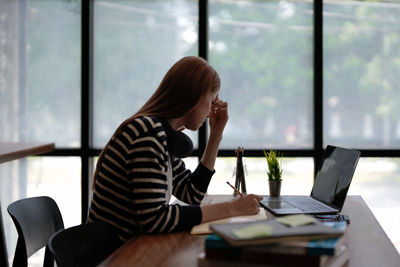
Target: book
{"type": "Point", "coordinates": [340, 259]}
{"type": "Point", "coordinates": [274, 231]}
{"type": "Point", "coordinates": [322, 252]}
{"type": "Point", "coordinates": [216, 245]}
{"type": "Point", "coordinates": [316, 247]}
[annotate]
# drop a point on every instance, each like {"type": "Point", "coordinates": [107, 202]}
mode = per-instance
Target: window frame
{"type": "Point", "coordinates": [87, 152]}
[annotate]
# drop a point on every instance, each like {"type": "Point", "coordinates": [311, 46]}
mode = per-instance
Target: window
{"type": "Point", "coordinates": [135, 43]}
{"type": "Point", "coordinates": [266, 80]}
{"type": "Point", "coordinates": [361, 70]}
{"type": "Point", "coordinates": [377, 180]}
{"type": "Point", "coordinates": [40, 87]}
{"type": "Point", "coordinates": [40, 72]}
{"type": "Point", "coordinates": [56, 177]}
{"type": "Point", "coordinates": [297, 173]}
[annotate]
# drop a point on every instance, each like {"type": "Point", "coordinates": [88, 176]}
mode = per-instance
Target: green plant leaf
{"type": "Point", "coordinates": [274, 167]}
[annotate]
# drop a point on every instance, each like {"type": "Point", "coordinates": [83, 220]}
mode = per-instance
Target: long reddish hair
{"type": "Point", "coordinates": [179, 91]}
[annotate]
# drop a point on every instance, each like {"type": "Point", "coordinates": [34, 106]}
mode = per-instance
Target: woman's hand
{"type": "Point", "coordinates": [218, 116]}
{"type": "Point", "coordinates": [246, 205]}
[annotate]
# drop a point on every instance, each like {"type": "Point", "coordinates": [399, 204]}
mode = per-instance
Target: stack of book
{"type": "Point", "coordinates": [221, 251]}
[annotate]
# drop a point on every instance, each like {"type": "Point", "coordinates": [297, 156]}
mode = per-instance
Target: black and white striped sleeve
{"type": "Point", "coordinates": [190, 187]}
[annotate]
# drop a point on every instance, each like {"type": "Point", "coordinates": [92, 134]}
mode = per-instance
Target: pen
{"type": "Point", "coordinates": [234, 188]}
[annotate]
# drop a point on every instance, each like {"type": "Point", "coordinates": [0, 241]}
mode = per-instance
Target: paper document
{"type": "Point", "coordinates": [296, 220]}
{"type": "Point", "coordinates": [204, 228]}
{"type": "Point", "coordinates": [252, 231]}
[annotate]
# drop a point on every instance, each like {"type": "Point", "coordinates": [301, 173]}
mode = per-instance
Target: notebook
{"type": "Point", "coordinates": [329, 190]}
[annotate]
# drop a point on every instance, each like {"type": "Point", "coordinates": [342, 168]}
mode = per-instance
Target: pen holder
{"type": "Point", "coordinates": [240, 182]}
{"type": "Point", "coordinates": [274, 188]}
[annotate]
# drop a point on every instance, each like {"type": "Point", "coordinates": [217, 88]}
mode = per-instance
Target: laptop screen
{"type": "Point", "coordinates": [334, 176]}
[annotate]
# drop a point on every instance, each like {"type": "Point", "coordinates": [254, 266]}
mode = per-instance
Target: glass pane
{"type": "Point", "coordinates": [191, 163]}
{"type": "Point", "coordinates": [263, 52]}
{"type": "Point", "coordinates": [297, 176]}
{"type": "Point", "coordinates": [361, 74]}
{"type": "Point", "coordinates": [377, 180]}
{"type": "Point", "coordinates": [135, 43]}
{"type": "Point", "coordinates": [56, 177]}
{"type": "Point", "coordinates": [40, 51]}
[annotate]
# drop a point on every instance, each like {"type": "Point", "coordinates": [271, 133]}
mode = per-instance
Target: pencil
{"type": "Point", "coordinates": [234, 188]}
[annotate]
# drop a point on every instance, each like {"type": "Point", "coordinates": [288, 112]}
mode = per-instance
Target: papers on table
{"type": "Point", "coordinates": [204, 228]}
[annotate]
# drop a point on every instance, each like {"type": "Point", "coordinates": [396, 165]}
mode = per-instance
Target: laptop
{"type": "Point", "coordinates": [329, 190]}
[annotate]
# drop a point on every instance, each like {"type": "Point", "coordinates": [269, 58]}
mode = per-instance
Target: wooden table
{"type": "Point", "coordinates": [12, 151]}
{"type": "Point", "coordinates": [368, 243]}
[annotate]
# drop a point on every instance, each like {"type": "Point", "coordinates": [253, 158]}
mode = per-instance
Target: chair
{"type": "Point", "coordinates": [36, 220]}
{"type": "Point", "coordinates": [3, 247]}
{"type": "Point", "coordinates": [84, 245]}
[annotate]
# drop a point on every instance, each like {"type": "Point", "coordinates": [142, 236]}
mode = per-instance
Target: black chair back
{"type": "Point", "coordinates": [84, 245]}
{"type": "Point", "coordinates": [36, 220]}
{"type": "Point", "coordinates": [3, 247]}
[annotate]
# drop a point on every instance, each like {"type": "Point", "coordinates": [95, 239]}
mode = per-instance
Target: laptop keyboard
{"type": "Point", "coordinates": [307, 204]}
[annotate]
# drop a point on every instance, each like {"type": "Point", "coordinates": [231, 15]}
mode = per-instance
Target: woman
{"type": "Point", "coordinates": [141, 165]}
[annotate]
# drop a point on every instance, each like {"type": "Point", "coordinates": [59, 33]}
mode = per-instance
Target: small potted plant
{"type": "Point", "coordinates": [274, 172]}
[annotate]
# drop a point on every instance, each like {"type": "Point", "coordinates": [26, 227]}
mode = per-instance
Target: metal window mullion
{"type": "Point", "coordinates": [86, 103]}
{"type": "Point", "coordinates": [318, 84]}
{"type": "Point", "coordinates": [203, 52]}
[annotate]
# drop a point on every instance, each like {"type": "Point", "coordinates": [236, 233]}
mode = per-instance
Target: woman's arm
{"type": "Point", "coordinates": [190, 187]}
{"type": "Point", "coordinates": [247, 205]}
{"type": "Point", "coordinates": [218, 118]}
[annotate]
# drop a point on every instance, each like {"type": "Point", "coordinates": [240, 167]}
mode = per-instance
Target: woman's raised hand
{"type": "Point", "coordinates": [218, 116]}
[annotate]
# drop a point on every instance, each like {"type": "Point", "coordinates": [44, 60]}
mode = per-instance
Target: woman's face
{"type": "Point", "coordinates": [198, 114]}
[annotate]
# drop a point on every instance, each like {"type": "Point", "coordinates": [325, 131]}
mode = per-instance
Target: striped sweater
{"type": "Point", "coordinates": [131, 184]}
